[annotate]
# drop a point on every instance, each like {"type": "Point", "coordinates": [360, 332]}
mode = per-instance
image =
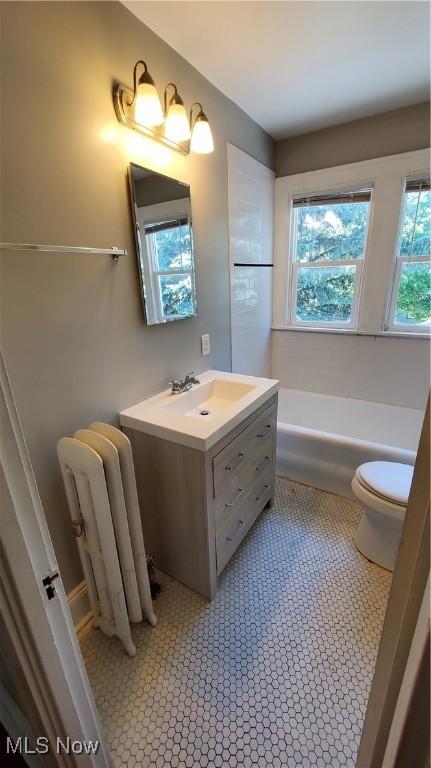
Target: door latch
{"type": "Point", "coordinates": [48, 583]}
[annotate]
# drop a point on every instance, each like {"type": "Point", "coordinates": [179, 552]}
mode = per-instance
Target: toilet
{"type": "Point", "coordinates": [382, 488]}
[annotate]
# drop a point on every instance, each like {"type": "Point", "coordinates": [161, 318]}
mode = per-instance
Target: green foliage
{"type": "Point", "coordinates": [414, 298]}
{"type": "Point", "coordinates": [336, 233]}
{"type": "Point", "coordinates": [174, 252]}
{"type": "Point", "coordinates": [325, 295]}
{"type": "Point", "coordinates": [176, 295]}
{"type": "Point", "coordinates": [174, 248]}
{"type": "Point", "coordinates": [416, 230]}
{"type": "Point", "coordinates": [331, 232]}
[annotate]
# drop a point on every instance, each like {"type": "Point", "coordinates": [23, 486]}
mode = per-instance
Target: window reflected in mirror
{"type": "Point", "coordinates": [164, 241]}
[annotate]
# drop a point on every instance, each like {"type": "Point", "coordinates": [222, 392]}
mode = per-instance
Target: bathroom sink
{"type": "Point", "coordinates": [210, 398]}
{"type": "Point", "coordinates": [205, 413]}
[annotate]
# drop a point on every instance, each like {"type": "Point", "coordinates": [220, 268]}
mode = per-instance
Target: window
{"type": "Point", "coordinates": [345, 259]}
{"type": "Point", "coordinates": [170, 256]}
{"type": "Point", "coordinates": [328, 247]}
{"type": "Point", "coordinates": [410, 306]}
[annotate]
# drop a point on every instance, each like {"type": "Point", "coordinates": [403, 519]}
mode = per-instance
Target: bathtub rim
{"type": "Point", "coordinates": [335, 438]}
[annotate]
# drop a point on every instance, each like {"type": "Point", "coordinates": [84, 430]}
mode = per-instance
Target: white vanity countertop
{"type": "Point", "coordinates": [228, 398]}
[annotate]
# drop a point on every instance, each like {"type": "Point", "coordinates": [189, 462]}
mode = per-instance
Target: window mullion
{"type": "Point", "coordinates": [357, 293]}
{"type": "Point", "coordinates": [293, 268]}
{"type": "Point", "coordinates": [168, 272]}
{"type": "Point", "coordinates": [394, 294]}
{"type": "Point", "coordinates": [329, 263]}
{"type": "Point", "coordinates": [379, 260]}
{"type": "Point", "coordinates": [293, 291]}
{"type": "Point", "coordinates": [414, 259]}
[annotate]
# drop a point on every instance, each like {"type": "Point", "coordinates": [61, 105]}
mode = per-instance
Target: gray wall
{"type": "Point", "coordinates": [72, 328]}
{"type": "Point", "coordinates": [401, 130]}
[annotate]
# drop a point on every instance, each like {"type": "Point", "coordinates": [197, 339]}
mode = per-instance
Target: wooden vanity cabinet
{"type": "Point", "coordinates": [197, 506]}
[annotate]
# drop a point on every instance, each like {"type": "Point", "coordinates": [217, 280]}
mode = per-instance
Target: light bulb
{"type": "Point", "coordinates": [177, 124]}
{"type": "Point", "coordinates": [202, 140]}
{"type": "Point", "coordinates": [148, 110]}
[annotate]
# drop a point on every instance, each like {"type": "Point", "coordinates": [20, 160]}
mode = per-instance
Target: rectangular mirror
{"type": "Point", "coordinates": [164, 244]}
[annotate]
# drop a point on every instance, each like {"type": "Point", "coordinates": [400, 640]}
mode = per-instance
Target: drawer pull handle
{"type": "Point", "coordinates": [265, 488]}
{"type": "Point", "coordinates": [231, 503]}
{"type": "Point", "coordinates": [230, 467]}
{"type": "Point", "coordinates": [240, 524]}
{"type": "Point", "coordinates": [264, 463]}
{"type": "Point", "coordinates": [266, 431]}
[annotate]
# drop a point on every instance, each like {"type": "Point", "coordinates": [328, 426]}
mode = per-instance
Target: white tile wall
{"type": "Point", "coordinates": [251, 291]}
{"type": "Point", "coordinates": [385, 370]}
{"type": "Point", "coordinates": [251, 216]}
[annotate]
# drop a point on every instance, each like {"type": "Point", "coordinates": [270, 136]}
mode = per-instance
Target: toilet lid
{"type": "Point", "coordinates": [388, 479]}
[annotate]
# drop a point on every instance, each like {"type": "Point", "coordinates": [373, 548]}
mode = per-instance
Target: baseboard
{"type": "Point", "coordinates": [79, 605]}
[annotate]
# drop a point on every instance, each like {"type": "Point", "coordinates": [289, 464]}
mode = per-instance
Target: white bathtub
{"type": "Point", "coordinates": [321, 439]}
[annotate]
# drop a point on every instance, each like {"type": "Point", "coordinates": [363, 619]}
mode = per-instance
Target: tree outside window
{"type": "Point", "coordinates": [330, 236]}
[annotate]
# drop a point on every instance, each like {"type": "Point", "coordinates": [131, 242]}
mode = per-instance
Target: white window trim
{"type": "Point", "coordinates": [156, 284]}
{"type": "Point", "coordinates": [387, 177]}
{"type": "Point", "coordinates": [152, 286]}
{"type": "Point", "coordinates": [390, 324]}
{"type": "Point", "coordinates": [294, 266]}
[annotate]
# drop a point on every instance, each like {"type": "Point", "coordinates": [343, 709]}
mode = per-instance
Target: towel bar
{"type": "Point", "coordinates": [114, 251]}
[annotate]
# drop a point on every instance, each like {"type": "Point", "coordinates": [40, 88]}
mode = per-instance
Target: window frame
{"type": "Point", "coordinates": [147, 217]}
{"type": "Point", "coordinates": [399, 261]}
{"type": "Point", "coordinates": [156, 274]}
{"type": "Point", "coordinates": [295, 266]}
{"type": "Point", "coordinates": [386, 176]}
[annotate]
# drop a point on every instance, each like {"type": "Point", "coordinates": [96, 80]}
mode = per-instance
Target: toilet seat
{"type": "Point", "coordinates": [377, 503]}
{"type": "Point", "coordinates": [383, 486]}
{"type": "Point", "coordinates": [389, 480]}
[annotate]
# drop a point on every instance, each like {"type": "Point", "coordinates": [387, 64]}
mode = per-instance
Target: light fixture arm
{"type": "Point", "coordinates": [145, 76]}
{"type": "Point", "coordinates": [201, 112]}
{"type": "Point", "coordinates": [174, 98]}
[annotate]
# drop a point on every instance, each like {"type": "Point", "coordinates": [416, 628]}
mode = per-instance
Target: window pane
{"type": "Point", "coordinates": [416, 229]}
{"type": "Point", "coordinates": [325, 294]}
{"type": "Point", "coordinates": [332, 232]}
{"type": "Point", "coordinates": [414, 296]}
{"type": "Point", "coordinates": [174, 248]}
{"type": "Point", "coordinates": [176, 295]}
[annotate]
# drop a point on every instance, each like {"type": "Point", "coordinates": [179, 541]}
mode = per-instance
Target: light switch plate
{"type": "Point", "coordinates": [205, 342]}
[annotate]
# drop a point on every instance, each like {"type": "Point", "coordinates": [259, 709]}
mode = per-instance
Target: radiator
{"type": "Point", "coordinates": [99, 479]}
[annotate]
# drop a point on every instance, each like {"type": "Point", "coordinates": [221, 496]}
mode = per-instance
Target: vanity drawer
{"type": "Point", "coordinates": [234, 492]}
{"type": "Point", "coordinates": [229, 463]}
{"type": "Point", "coordinates": [229, 537]}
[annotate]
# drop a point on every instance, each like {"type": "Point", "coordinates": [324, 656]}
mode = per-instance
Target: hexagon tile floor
{"type": "Point", "coordinates": [275, 671]}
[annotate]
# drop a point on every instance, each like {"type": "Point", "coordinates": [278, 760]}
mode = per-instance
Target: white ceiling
{"type": "Point", "coordinates": [299, 66]}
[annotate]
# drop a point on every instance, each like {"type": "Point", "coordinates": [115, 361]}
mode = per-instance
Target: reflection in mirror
{"type": "Point", "coordinates": [164, 243]}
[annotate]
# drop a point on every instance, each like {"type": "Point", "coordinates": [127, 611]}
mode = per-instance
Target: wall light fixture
{"type": "Point", "coordinates": [141, 110]}
{"type": "Point", "coordinates": [177, 126]}
{"type": "Point", "coordinates": [202, 138]}
{"type": "Point", "coordinates": [145, 101]}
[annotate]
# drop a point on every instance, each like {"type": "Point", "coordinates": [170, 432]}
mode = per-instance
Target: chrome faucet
{"type": "Point", "coordinates": [183, 385]}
